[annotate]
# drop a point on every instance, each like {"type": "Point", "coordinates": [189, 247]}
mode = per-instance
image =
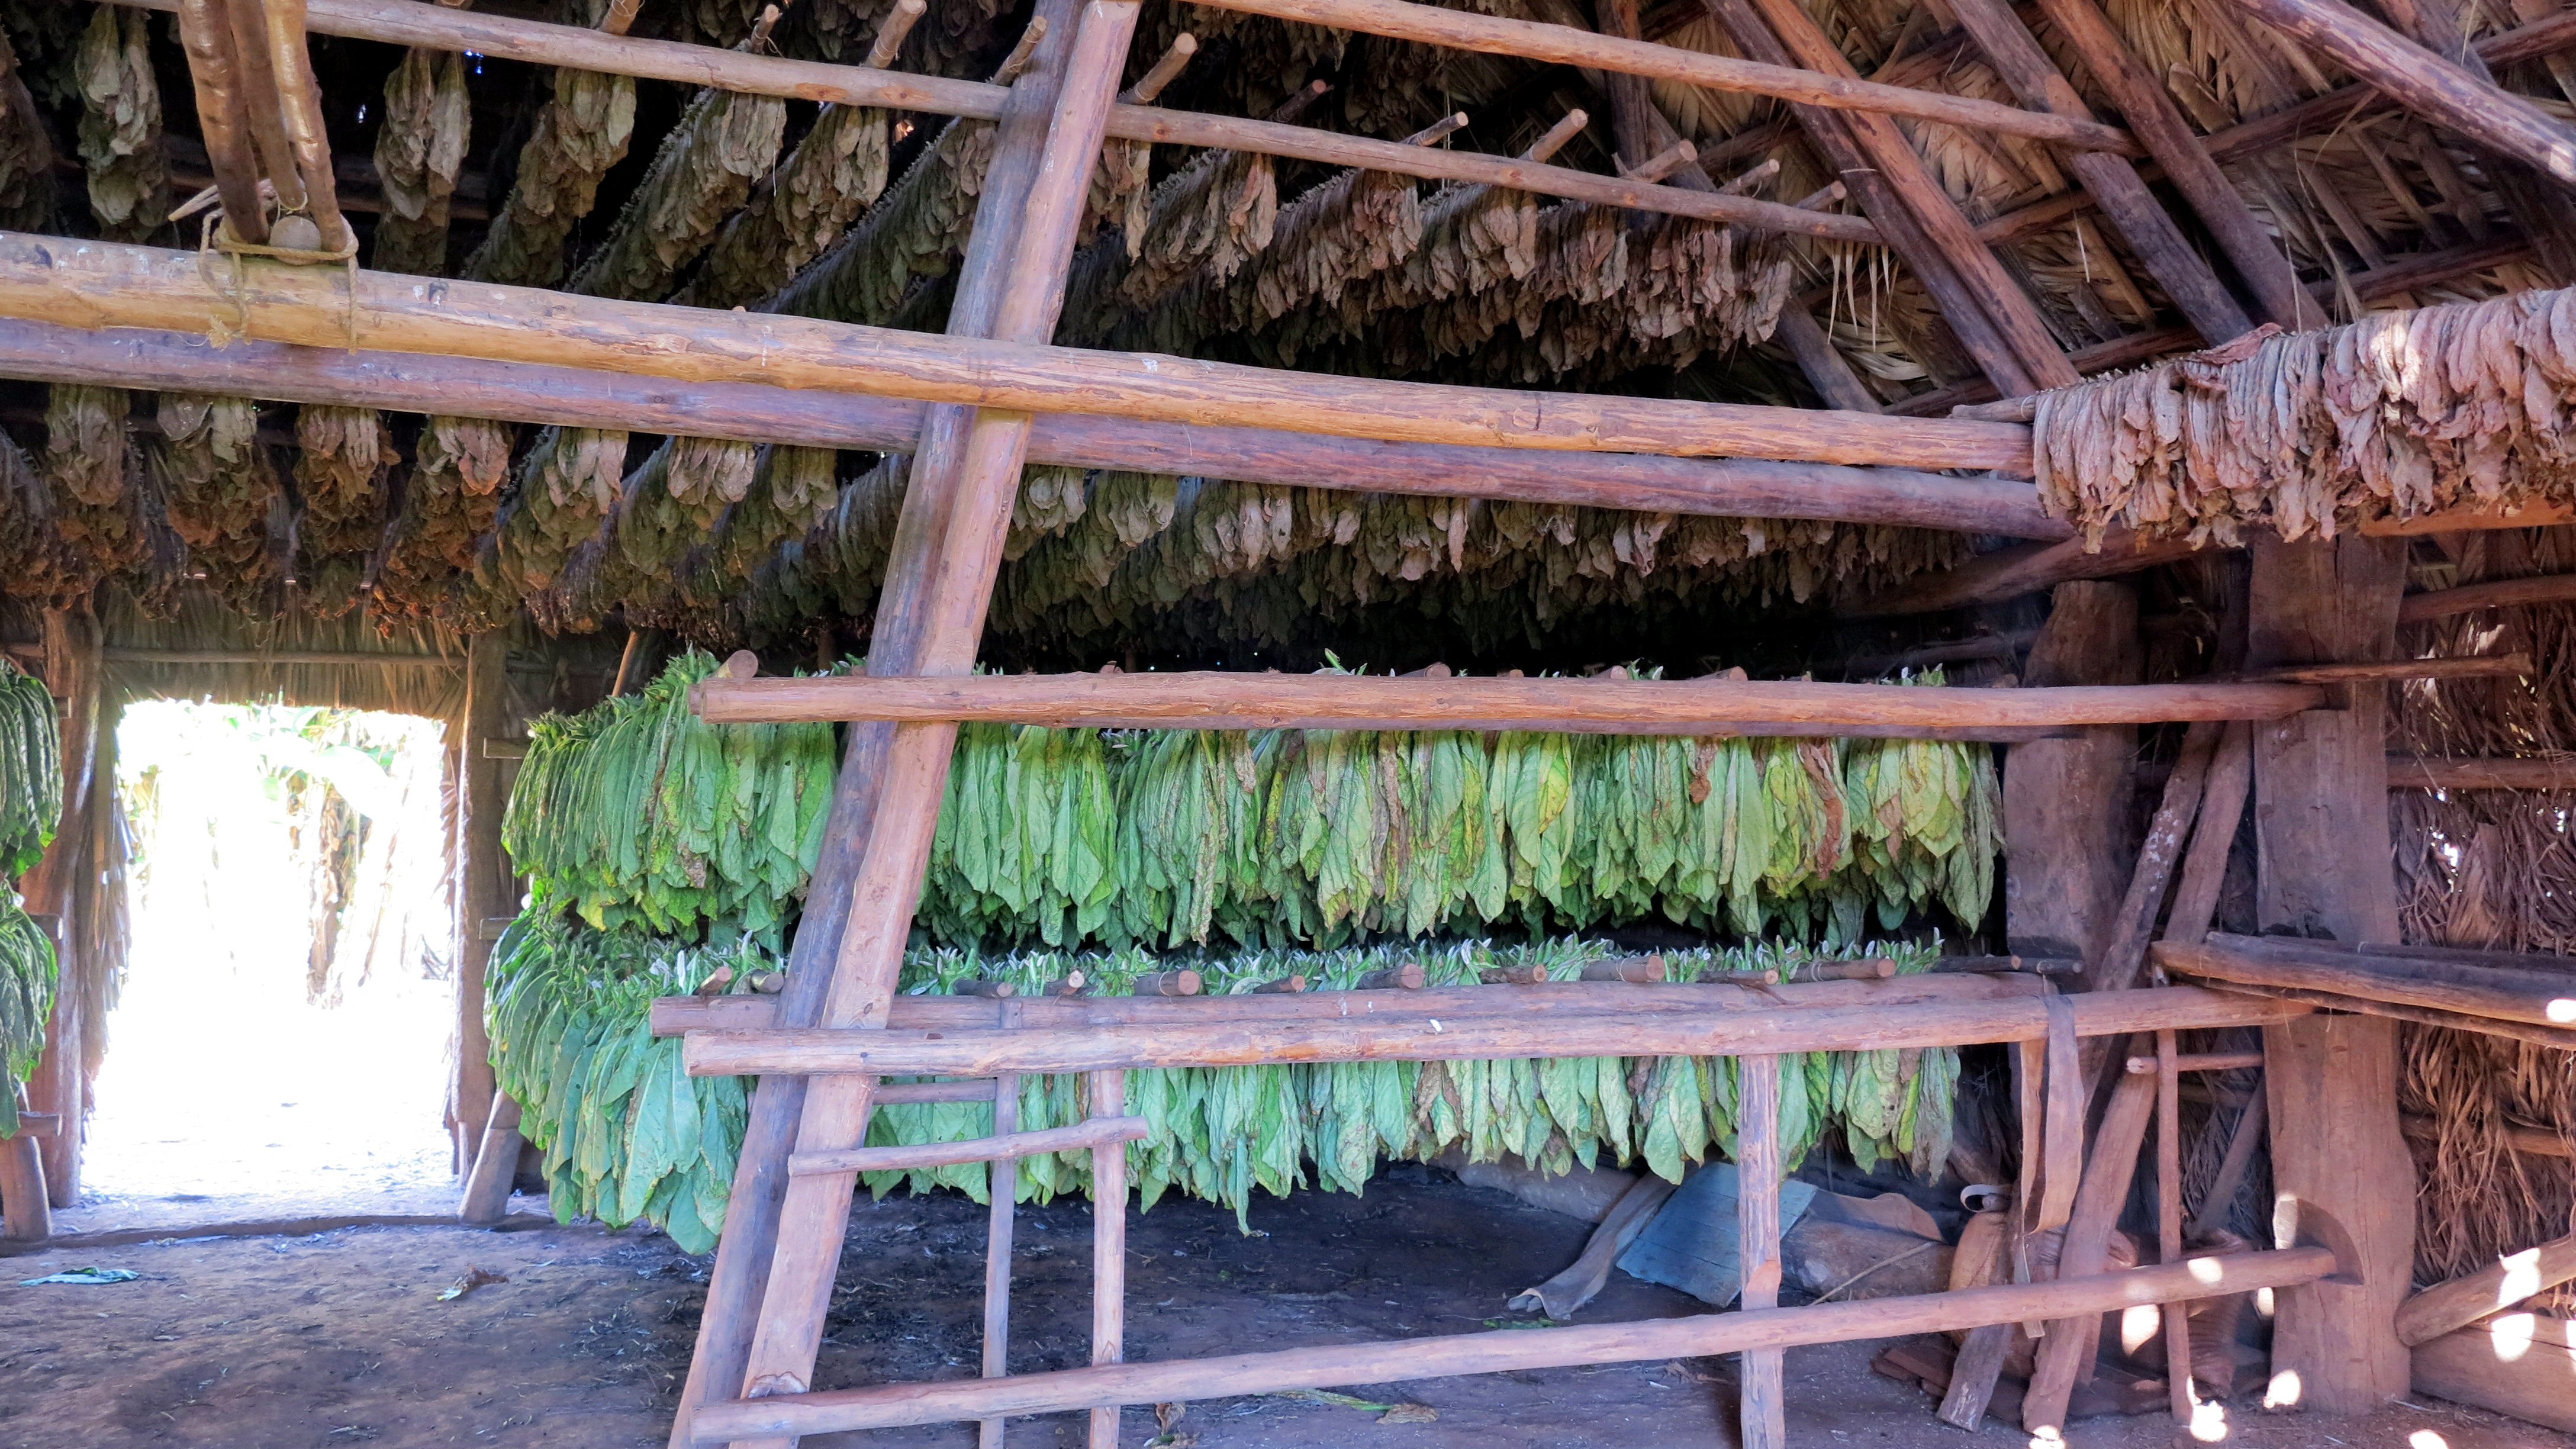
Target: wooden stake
{"type": "Point", "coordinates": [300, 106]}
{"type": "Point", "coordinates": [2066, 1354]}
{"type": "Point", "coordinates": [1002, 1192]}
{"type": "Point", "coordinates": [25, 1214]}
{"type": "Point", "coordinates": [496, 1164]}
{"type": "Point", "coordinates": [223, 118]}
{"type": "Point", "coordinates": [1164, 72]}
{"type": "Point", "coordinates": [2214, 1207]}
{"type": "Point", "coordinates": [1757, 1205]}
{"type": "Point", "coordinates": [891, 31]}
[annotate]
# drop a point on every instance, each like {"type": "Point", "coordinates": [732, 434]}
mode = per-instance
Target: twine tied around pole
{"type": "Point", "coordinates": [217, 239]}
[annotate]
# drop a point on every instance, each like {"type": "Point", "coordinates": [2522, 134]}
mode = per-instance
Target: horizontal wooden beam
{"type": "Point", "coordinates": [1565, 45]}
{"type": "Point", "coordinates": [410, 23]}
{"type": "Point", "coordinates": [2379, 671]}
{"type": "Point", "coordinates": [2428, 84]}
{"type": "Point", "coordinates": [2011, 572]}
{"type": "Point", "coordinates": [894, 1053]}
{"type": "Point", "coordinates": [1501, 1351]}
{"type": "Point", "coordinates": [763, 413]}
{"type": "Point", "coordinates": [2501, 594]}
{"type": "Point", "coordinates": [2536, 994]}
{"type": "Point", "coordinates": [1714, 705]}
{"type": "Point", "coordinates": [2409, 772]}
{"type": "Point", "coordinates": [1080, 1136]}
{"type": "Point", "coordinates": [893, 1093]}
{"type": "Point", "coordinates": [678, 1015]}
{"type": "Point", "coordinates": [103, 285]}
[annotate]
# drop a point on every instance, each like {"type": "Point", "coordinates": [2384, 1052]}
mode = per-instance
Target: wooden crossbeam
{"type": "Point", "coordinates": [99, 284]}
{"type": "Point", "coordinates": [1146, 1046]}
{"type": "Point", "coordinates": [1208, 700]}
{"type": "Point", "coordinates": [761, 413]}
{"type": "Point", "coordinates": [1079, 1136]}
{"type": "Point", "coordinates": [409, 23]}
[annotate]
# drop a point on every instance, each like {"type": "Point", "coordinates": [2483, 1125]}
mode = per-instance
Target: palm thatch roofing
{"type": "Point", "coordinates": [463, 166]}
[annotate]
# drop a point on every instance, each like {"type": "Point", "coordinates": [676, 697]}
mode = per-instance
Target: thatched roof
{"type": "Point", "coordinates": [463, 166]}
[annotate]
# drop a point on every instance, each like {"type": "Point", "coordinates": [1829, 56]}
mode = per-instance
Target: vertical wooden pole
{"type": "Point", "coordinates": [1004, 1190]}
{"type": "Point", "coordinates": [952, 599]}
{"type": "Point", "coordinates": [482, 873]}
{"type": "Point", "coordinates": [2067, 802]}
{"type": "Point", "coordinates": [2067, 1353]}
{"type": "Point", "coordinates": [740, 1280]}
{"type": "Point", "coordinates": [1760, 1409]}
{"type": "Point", "coordinates": [60, 1083]}
{"type": "Point", "coordinates": [1108, 1248]}
{"type": "Point", "coordinates": [26, 1214]}
{"type": "Point", "coordinates": [2322, 862]}
{"type": "Point", "coordinates": [2177, 1317]}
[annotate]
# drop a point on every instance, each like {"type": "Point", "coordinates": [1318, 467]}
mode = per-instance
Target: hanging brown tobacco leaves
{"type": "Point", "coordinates": [120, 125]}
{"type": "Point", "coordinates": [792, 492]}
{"type": "Point", "coordinates": [915, 232]}
{"type": "Point", "coordinates": [450, 501]}
{"type": "Point", "coordinates": [796, 211]}
{"type": "Point", "coordinates": [1207, 219]}
{"type": "Point", "coordinates": [36, 561]}
{"type": "Point", "coordinates": [224, 496]}
{"type": "Point", "coordinates": [952, 36]}
{"type": "Point", "coordinates": [580, 134]}
{"type": "Point", "coordinates": [95, 475]}
{"type": "Point", "coordinates": [26, 153]}
{"type": "Point", "coordinates": [566, 488]}
{"type": "Point", "coordinates": [2395, 416]}
{"type": "Point", "coordinates": [340, 467]}
{"type": "Point", "coordinates": [419, 149]}
{"type": "Point", "coordinates": [704, 169]}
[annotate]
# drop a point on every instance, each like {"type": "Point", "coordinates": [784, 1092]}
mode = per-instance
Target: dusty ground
{"type": "Point", "coordinates": [340, 1339]}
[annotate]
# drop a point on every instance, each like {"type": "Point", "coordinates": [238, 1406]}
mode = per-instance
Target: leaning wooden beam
{"type": "Point", "coordinates": [2541, 995]}
{"type": "Point", "coordinates": [888, 1052]}
{"type": "Point", "coordinates": [2491, 1289]}
{"type": "Point", "coordinates": [2428, 84]}
{"type": "Point", "coordinates": [98, 284]}
{"type": "Point", "coordinates": [1565, 45]}
{"type": "Point", "coordinates": [2407, 772]}
{"type": "Point", "coordinates": [1211, 700]}
{"type": "Point", "coordinates": [406, 22]}
{"type": "Point", "coordinates": [760, 413]}
{"type": "Point", "coordinates": [1506, 1351]}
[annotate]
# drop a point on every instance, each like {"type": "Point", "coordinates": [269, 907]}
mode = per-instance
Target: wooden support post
{"type": "Point", "coordinates": [2113, 182]}
{"type": "Point", "coordinates": [1757, 1206]}
{"type": "Point", "coordinates": [482, 891]}
{"type": "Point", "coordinates": [2066, 802]}
{"type": "Point", "coordinates": [971, 459]}
{"type": "Point", "coordinates": [1108, 1248]}
{"type": "Point", "coordinates": [1003, 1190]}
{"type": "Point", "coordinates": [60, 1083]}
{"type": "Point", "coordinates": [2177, 1323]}
{"type": "Point", "coordinates": [496, 1163]}
{"type": "Point", "coordinates": [2321, 829]}
{"type": "Point", "coordinates": [2158, 124]}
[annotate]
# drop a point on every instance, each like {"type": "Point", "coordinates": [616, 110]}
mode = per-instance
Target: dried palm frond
{"type": "Point", "coordinates": [796, 211]}
{"type": "Point", "coordinates": [705, 167]}
{"type": "Point", "coordinates": [120, 125]}
{"type": "Point", "coordinates": [420, 148]}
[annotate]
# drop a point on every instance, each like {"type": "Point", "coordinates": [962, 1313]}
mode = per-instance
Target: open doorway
{"type": "Point", "coordinates": [280, 1043]}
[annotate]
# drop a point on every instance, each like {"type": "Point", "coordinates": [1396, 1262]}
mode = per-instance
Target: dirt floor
{"type": "Point", "coordinates": [341, 1338]}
